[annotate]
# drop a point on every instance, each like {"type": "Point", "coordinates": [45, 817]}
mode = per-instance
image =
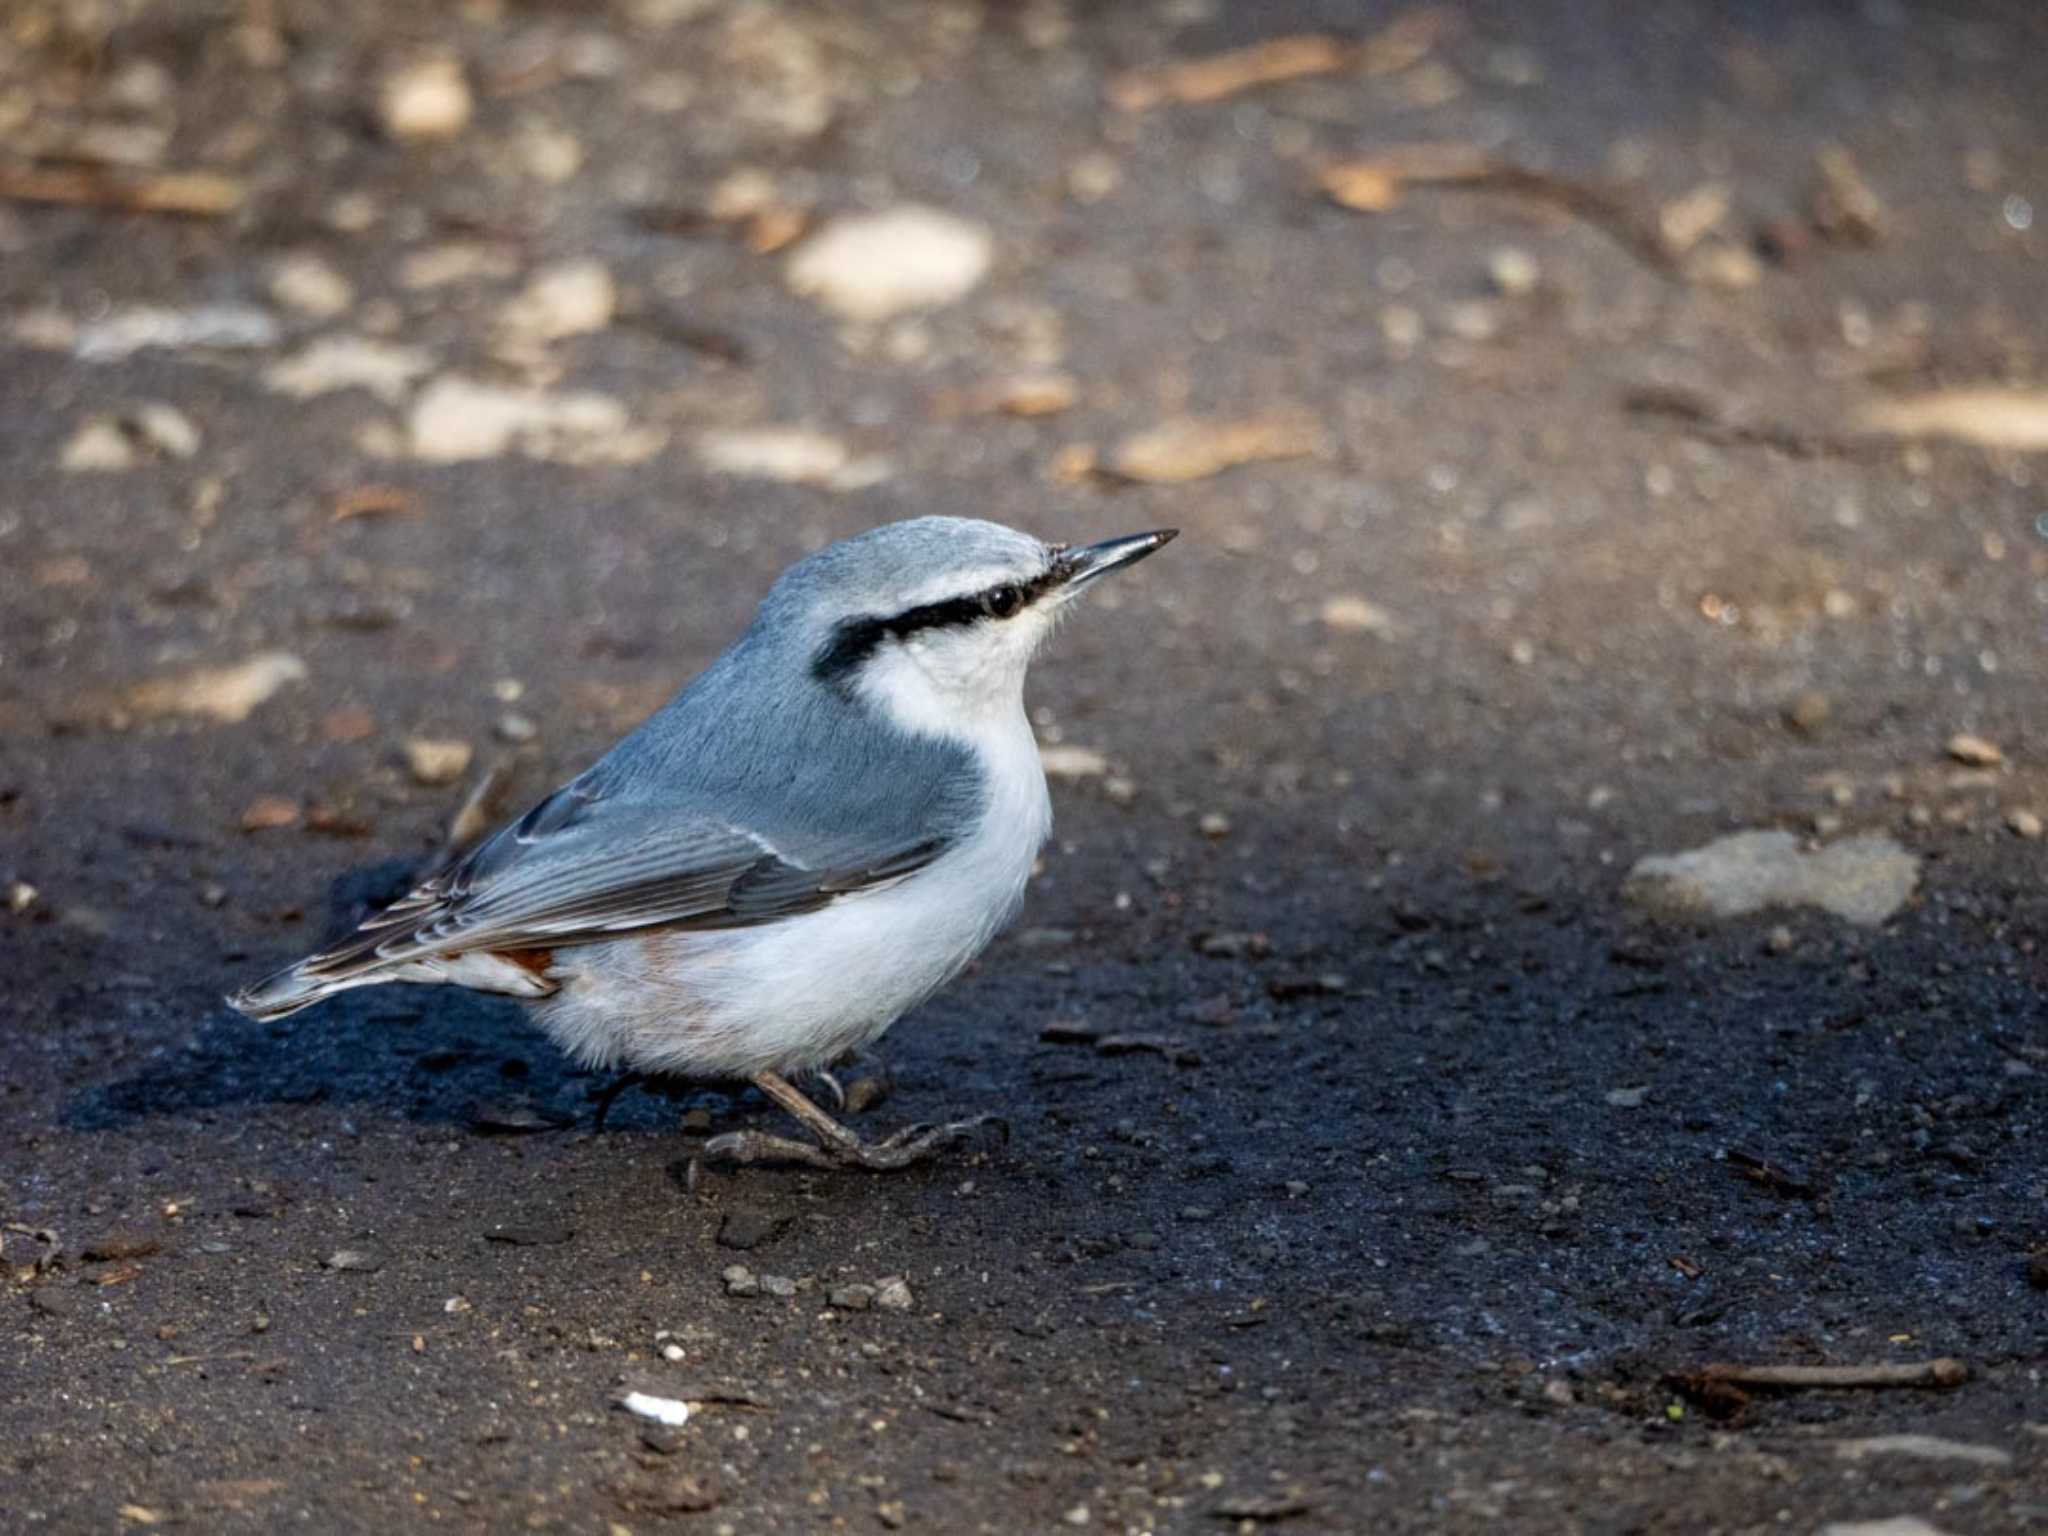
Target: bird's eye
{"type": "Point", "coordinates": [1002, 602]}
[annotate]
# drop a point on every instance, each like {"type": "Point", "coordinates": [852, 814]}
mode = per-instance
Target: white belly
{"type": "Point", "coordinates": [803, 991]}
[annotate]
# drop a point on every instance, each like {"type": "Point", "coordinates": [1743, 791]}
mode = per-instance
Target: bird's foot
{"type": "Point", "coordinates": [911, 1145]}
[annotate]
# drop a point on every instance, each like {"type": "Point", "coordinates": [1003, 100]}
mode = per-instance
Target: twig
{"type": "Point", "coordinates": [1944, 1372]}
{"type": "Point", "coordinates": [1772, 1176]}
{"type": "Point", "coordinates": [470, 821]}
{"type": "Point", "coordinates": [1720, 421]}
{"type": "Point", "coordinates": [1376, 183]}
{"type": "Point", "coordinates": [1404, 42]}
{"type": "Point", "coordinates": [193, 194]}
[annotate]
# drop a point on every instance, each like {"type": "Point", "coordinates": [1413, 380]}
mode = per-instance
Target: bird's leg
{"type": "Point", "coordinates": [840, 1147]}
{"type": "Point", "coordinates": [856, 1082]}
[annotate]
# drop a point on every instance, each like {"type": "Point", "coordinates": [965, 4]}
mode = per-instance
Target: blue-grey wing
{"type": "Point", "coordinates": [583, 866]}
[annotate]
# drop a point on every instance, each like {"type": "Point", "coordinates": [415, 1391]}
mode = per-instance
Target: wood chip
{"type": "Point", "coordinates": [1845, 207]}
{"type": "Point", "coordinates": [191, 194]}
{"type": "Point", "coordinates": [1944, 1372]}
{"type": "Point", "coordinates": [1974, 751]}
{"type": "Point", "coordinates": [1192, 448]}
{"type": "Point", "coordinates": [226, 694]}
{"type": "Point", "coordinates": [1987, 415]}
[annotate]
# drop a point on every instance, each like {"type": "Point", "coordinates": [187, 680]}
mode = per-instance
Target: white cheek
{"type": "Point", "coordinates": [949, 684]}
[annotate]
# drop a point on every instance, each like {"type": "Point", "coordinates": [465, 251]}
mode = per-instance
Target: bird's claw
{"type": "Point", "coordinates": [910, 1145]}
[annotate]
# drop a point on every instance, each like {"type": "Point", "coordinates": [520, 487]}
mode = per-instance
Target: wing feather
{"type": "Point", "coordinates": [581, 866]}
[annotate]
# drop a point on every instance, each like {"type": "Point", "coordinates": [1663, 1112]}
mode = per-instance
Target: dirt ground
{"type": "Point", "coordinates": [1616, 480]}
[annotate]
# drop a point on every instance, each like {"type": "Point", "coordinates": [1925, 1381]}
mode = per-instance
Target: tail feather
{"type": "Point", "coordinates": [296, 986]}
{"type": "Point", "coordinates": [523, 974]}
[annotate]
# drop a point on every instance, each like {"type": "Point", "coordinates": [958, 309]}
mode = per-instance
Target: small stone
{"type": "Point", "coordinates": [571, 298]}
{"type": "Point", "coordinates": [548, 153]}
{"type": "Point", "coordinates": [1093, 177]}
{"type": "Point", "coordinates": [778, 1285]}
{"type": "Point", "coordinates": [740, 1281]}
{"type": "Point", "coordinates": [307, 283]}
{"type": "Point", "coordinates": [1686, 220]}
{"type": "Point", "coordinates": [425, 99]}
{"type": "Point", "coordinates": [1358, 615]}
{"type": "Point", "coordinates": [1974, 751]}
{"type": "Point", "coordinates": [1808, 711]}
{"type": "Point", "coordinates": [745, 1230]}
{"type": "Point", "coordinates": [1472, 320]}
{"type": "Point", "coordinates": [1072, 762]}
{"type": "Point", "coordinates": [851, 1298]}
{"type": "Point", "coordinates": [871, 267]}
{"type": "Point", "coordinates": [1719, 264]}
{"type": "Point", "coordinates": [892, 1514]}
{"type": "Point", "coordinates": [1559, 1391]}
{"type": "Point", "coordinates": [349, 362]}
{"type": "Point", "coordinates": [267, 813]}
{"type": "Point", "coordinates": [361, 1261]}
{"type": "Point", "coordinates": [516, 728]}
{"type": "Point", "coordinates": [1513, 271]}
{"type": "Point", "coordinates": [670, 1412]}
{"type": "Point", "coordinates": [673, 1353]}
{"type": "Point", "coordinates": [1628, 1098]}
{"type": "Point", "coordinates": [1861, 879]}
{"type": "Point", "coordinates": [793, 455]}
{"type": "Point", "coordinates": [437, 760]}
{"type": "Point", "coordinates": [893, 1294]}
{"type": "Point", "coordinates": [167, 429]}
{"type": "Point", "coordinates": [120, 1244]}
{"type": "Point", "coordinates": [98, 447]}
{"type": "Point", "coordinates": [1779, 941]}
{"type": "Point", "coordinates": [20, 896]}
{"type": "Point", "coordinates": [2023, 823]}
{"type": "Point", "coordinates": [53, 1301]}
{"type": "Point", "coordinates": [1213, 825]}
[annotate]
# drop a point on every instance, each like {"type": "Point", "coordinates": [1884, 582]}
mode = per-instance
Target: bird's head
{"type": "Point", "coordinates": [935, 620]}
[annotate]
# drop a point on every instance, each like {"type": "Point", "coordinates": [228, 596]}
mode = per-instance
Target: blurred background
{"type": "Point", "coordinates": [1548, 881]}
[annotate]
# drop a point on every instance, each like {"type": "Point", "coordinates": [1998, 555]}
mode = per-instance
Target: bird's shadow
{"type": "Point", "coordinates": [429, 1054]}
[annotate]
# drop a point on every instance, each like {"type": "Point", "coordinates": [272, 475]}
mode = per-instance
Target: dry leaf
{"type": "Point", "coordinates": [1192, 448]}
{"type": "Point", "coordinates": [373, 501]}
{"type": "Point", "coordinates": [1988, 415]}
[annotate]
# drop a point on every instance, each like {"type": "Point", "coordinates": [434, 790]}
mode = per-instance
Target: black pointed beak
{"type": "Point", "coordinates": [1078, 567]}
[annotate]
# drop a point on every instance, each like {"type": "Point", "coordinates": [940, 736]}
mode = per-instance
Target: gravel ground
{"type": "Point", "coordinates": [402, 398]}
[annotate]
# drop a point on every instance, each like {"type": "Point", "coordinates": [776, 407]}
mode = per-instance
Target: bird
{"type": "Point", "coordinates": [810, 839]}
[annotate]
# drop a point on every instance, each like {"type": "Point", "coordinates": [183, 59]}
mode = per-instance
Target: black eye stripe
{"type": "Point", "coordinates": [854, 640]}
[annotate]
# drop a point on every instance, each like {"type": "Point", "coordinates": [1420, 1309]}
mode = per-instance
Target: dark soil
{"type": "Point", "coordinates": [1436, 1160]}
